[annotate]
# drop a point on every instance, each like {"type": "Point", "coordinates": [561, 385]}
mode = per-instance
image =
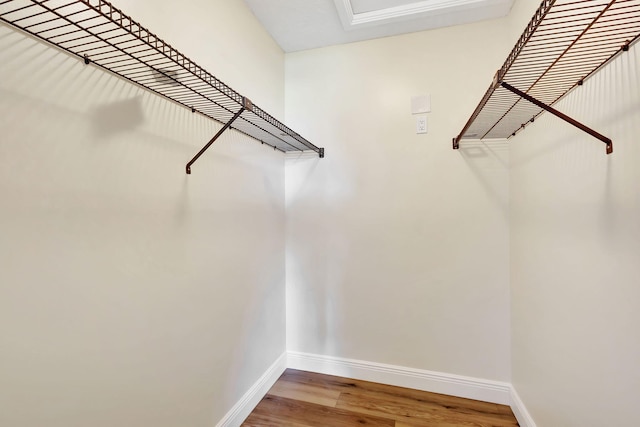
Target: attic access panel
{"type": "Point", "coordinates": [101, 34]}
{"type": "Point", "coordinates": [565, 43]}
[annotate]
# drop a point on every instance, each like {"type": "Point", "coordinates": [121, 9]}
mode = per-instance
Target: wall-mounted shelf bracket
{"type": "Point", "coordinates": [246, 105]}
{"type": "Point", "coordinates": [104, 36]}
{"type": "Point", "coordinates": [560, 115]}
{"type": "Point", "coordinates": [487, 96]}
{"type": "Point", "coordinates": [565, 43]}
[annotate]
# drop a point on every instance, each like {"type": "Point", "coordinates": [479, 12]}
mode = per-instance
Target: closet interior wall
{"type": "Point", "coordinates": [132, 294]}
{"type": "Point", "coordinates": [575, 240]}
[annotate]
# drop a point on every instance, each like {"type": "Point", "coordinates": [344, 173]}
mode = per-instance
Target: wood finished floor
{"type": "Point", "coordinates": [304, 399]}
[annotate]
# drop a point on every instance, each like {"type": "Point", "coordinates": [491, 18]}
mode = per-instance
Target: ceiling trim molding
{"type": "Point", "coordinates": [345, 10]}
{"type": "Point", "coordinates": [300, 25]}
{"type": "Point", "coordinates": [351, 20]}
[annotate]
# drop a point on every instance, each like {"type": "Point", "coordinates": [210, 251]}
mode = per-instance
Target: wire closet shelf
{"type": "Point", "coordinates": [101, 34]}
{"type": "Point", "coordinates": [565, 43]}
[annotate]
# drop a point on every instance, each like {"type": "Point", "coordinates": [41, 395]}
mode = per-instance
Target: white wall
{"type": "Point", "coordinates": [397, 246]}
{"type": "Point", "coordinates": [575, 245]}
{"type": "Point", "coordinates": [132, 294]}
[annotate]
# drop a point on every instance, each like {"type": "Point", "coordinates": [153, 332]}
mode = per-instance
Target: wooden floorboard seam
{"type": "Point", "coordinates": [306, 399]}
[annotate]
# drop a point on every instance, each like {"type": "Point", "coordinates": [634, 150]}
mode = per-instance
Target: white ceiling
{"type": "Point", "coordinates": [306, 24]}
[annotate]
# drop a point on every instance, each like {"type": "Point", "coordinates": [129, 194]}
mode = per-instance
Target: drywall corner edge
{"type": "Point", "coordinates": [435, 382]}
{"type": "Point", "coordinates": [241, 410]}
{"type": "Point", "coordinates": [520, 411]}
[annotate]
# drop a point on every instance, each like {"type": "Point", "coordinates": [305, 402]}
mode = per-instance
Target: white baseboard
{"type": "Point", "coordinates": [435, 382]}
{"type": "Point", "coordinates": [251, 398]}
{"type": "Point", "coordinates": [520, 411]}
{"type": "Point", "coordinates": [419, 379]}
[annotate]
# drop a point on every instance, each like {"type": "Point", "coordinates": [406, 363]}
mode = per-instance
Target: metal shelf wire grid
{"type": "Point", "coordinates": [565, 43]}
{"type": "Point", "coordinates": [100, 33]}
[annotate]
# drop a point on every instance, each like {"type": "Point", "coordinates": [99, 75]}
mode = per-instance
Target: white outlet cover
{"type": "Point", "coordinates": [421, 124]}
{"type": "Point", "coordinates": [421, 104]}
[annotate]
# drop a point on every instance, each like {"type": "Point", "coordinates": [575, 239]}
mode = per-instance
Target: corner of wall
{"type": "Point", "coordinates": [254, 395]}
{"type": "Point", "coordinates": [519, 410]}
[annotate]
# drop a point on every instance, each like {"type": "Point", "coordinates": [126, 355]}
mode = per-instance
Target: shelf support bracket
{"type": "Point", "coordinates": [560, 115]}
{"type": "Point", "coordinates": [246, 105]}
{"type": "Point", "coordinates": [494, 85]}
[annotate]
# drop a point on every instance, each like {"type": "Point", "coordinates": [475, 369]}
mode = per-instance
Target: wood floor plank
{"type": "Point", "coordinates": [435, 423]}
{"type": "Point", "coordinates": [305, 399]}
{"type": "Point", "coordinates": [268, 420]}
{"type": "Point", "coordinates": [446, 423]}
{"type": "Point", "coordinates": [347, 385]}
{"type": "Point", "coordinates": [282, 411]}
{"type": "Point", "coordinates": [506, 410]}
{"type": "Point", "coordinates": [328, 382]}
{"type": "Point", "coordinates": [400, 408]}
{"type": "Point", "coordinates": [398, 405]}
{"type": "Point", "coordinates": [305, 393]}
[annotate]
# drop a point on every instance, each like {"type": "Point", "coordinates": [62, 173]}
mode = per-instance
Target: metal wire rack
{"type": "Point", "coordinates": [565, 43]}
{"type": "Point", "coordinates": [101, 34]}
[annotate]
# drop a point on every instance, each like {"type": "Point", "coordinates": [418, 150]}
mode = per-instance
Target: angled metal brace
{"type": "Point", "coordinates": [560, 115]}
{"type": "Point", "coordinates": [246, 105]}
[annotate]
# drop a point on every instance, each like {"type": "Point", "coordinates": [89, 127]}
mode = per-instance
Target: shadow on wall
{"type": "Point", "coordinates": [153, 269]}
{"type": "Point", "coordinates": [294, 187]}
{"type": "Point", "coordinates": [621, 93]}
{"type": "Point", "coordinates": [608, 103]}
{"type": "Point", "coordinates": [117, 117]}
{"type": "Point", "coordinates": [488, 161]}
{"type": "Point", "coordinates": [29, 64]}
{"type": "Point", "coordinates": [315, 301]}
{"type": "Point", "coordinates": [316, 258]}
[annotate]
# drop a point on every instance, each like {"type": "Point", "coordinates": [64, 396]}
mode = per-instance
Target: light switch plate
{"type": "Point", "coordinates": [421, 104]}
